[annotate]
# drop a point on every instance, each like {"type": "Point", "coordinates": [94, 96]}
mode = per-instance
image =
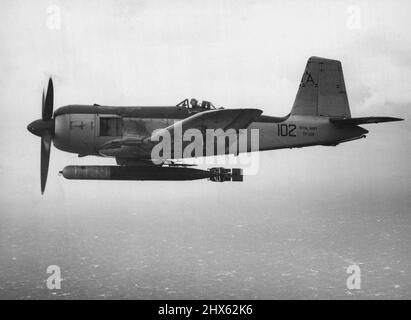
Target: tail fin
{"type": "Point", "coordinates": [322, 90]}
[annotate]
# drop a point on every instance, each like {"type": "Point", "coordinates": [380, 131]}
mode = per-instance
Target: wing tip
{"type": "Point", "coordinates": [397, 119]}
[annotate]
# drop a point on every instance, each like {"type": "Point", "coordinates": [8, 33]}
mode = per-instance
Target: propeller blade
{"type": "Point", "coordinates": [44, 160]}
{"type": "Point", "coordinates": [48, 103]}
{"type": "Point", "coordinates": [43, 102]}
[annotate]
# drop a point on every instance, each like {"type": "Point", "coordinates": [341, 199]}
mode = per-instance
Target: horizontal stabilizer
{"type": "Point", "coordinates": [363, 120]}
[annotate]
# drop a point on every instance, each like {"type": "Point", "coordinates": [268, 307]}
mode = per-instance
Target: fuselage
{"type": "Point", "coordinates": [83, 129]}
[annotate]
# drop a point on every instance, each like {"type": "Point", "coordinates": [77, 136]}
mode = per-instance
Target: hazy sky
{"type": "Point", "coordinates": [233, 53]}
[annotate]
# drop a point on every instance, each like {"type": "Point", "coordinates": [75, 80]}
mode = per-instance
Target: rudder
{"type": "Point", "coordinates": [322, 90]}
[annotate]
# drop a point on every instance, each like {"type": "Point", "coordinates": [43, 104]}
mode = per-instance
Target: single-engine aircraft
{"type": "Point", "coordinates": [320, 116]}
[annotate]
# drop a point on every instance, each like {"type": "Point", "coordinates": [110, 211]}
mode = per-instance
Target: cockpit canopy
{"type": "Point", "coordinates": [193, 104]}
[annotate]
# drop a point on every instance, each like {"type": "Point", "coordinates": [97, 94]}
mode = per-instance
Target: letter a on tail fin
{"type": "Point", "coordinates": [322, 90]}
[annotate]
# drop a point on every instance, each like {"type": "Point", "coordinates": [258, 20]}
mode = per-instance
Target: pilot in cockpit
{"type": "Point", "coordinates": [204, 105]}
{"type": "Point", "coordinates": [194, 103]}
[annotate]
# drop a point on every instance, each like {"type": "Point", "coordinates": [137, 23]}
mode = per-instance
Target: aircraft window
{"type": "Point", "coordinates": [194, 104]}
{"type": "Point", "coordinates": [183, 104]}
{"type": "Point", "coordinates": [110, 127]}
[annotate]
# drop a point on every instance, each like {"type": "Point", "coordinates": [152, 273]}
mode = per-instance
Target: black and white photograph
{"type": "Point", "coordinates": [205, 151]}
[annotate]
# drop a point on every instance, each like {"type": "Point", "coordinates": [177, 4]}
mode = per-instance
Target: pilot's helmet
{"type": "Point", "coordinates": [194, 102]}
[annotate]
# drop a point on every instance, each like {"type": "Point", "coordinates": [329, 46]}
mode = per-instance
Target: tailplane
{"type": "Point", "coordinates": [363, 120]}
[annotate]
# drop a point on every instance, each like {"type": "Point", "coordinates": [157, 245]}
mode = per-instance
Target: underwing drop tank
{"type": "Point", "coordinates": [150, 173]}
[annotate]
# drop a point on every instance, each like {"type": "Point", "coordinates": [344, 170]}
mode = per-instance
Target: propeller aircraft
{"type": "Point", "coordinates": [320, 116]}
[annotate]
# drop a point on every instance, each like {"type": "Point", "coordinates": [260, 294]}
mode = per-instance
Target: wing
{"type": "Point", "coordinates": [214, 119]}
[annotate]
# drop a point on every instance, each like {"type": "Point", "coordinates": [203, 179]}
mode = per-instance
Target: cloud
{"type": "Point", "coordinates": [377, 72]}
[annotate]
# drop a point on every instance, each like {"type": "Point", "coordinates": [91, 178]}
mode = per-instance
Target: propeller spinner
{"type": "Point", "coordinates": [44, 128]}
